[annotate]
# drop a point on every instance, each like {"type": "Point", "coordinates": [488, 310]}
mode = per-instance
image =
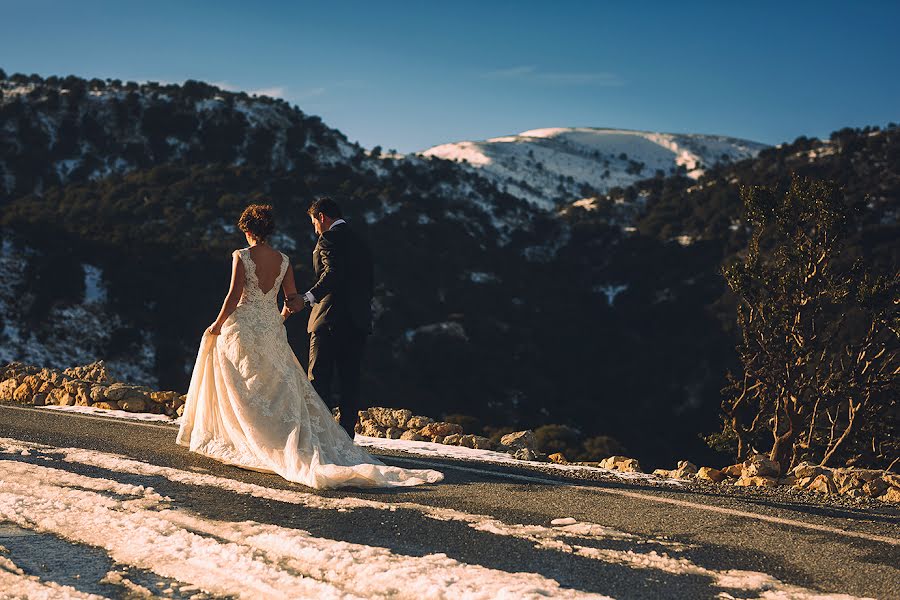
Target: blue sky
{"type": "Point", "coordinates": [409, 75]}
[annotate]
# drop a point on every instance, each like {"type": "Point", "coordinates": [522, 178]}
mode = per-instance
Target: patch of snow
{"type": "Point", "coordinates": [94, 290]}
{"type": "Point", "coordinates": [118, 414]}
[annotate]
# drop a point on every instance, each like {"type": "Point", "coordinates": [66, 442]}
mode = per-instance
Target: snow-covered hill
{"type": "Point", "coordinates": [553, 166]}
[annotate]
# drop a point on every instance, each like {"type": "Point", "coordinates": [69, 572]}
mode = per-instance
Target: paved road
{"type": "Point", "coordinates": [679, 543]}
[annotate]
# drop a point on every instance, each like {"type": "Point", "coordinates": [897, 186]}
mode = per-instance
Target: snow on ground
{"type": "Point", "coordinates": [116, 414]}
{"type": "Point", "coordinates": [245, 558]}
{"type": "Point", "coordinates": [139, 527]}
{"type": "Point", "coordinates": [18, 584]}
{"type": "Point", "coordinates": [552, 166]}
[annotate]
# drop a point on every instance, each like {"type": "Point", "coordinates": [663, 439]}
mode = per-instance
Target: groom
{"type": "Point", "coordinates": [341, 316]}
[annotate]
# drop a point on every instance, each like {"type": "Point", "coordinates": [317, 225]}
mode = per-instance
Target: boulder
{"type": "Point", "coordinates": [371, 429]}
{"type": "Point", "coordinates": [66, 399]}
{"type": "Point", "coordinates": [756, 481]}
{"type": "Point", "coordinates": [440, 429]}
{"type": "Point", "coordinates": [621, 463]}
{"type": "Point", "coordinates": [390, 417]}
{"type": "Point", "coordinates": [45, 387]}
{"type": "Point", "coordinates": [805, 469]}
{"type": "Point", "coordinates": [452, 439]}
{"type": "Point", "coordinates": [98, 393]}
{"type": "Point", "coordinates": [891, 495]}
{"type": "Point", "coordinates": [180, 410]}
{"type": "Point", "coordinates": [710, 474]}
{"type": "Point", "coordinates": [412, 435]}
{"type": "Point", "coordinates": [393, 433]}
{"type": "Point", "coordinates": [662, 473]}
{"type": "Point", "coordinates": [518, 439]}
{"type": "Point", "coordinates": [8, 388]}
{"type": "Point", "coordinates": [822, 484]}
{"type": "Point", "coordinates": [482, 443]}
{"type": "Point", "coordinates": [22, 393]}
{"type": "Point", "coordinates": [437, 439]}
{"type": "Point", "coordinates": [34, 382]}
{"type": "Point", "coordinates": [133, 404]}
{"type": "Point", "coordinates": [39, 399]}
{"type": "Point", "coordinates": [685, 470]}
{"type": "Point", "coordinates": [558, 458]}
{"type": "Point", "coordinates": [467, 441]}
{"type": "Point", "coordinates": [106, 405]}
{"type": "Point", "coordinates": [875, 487]}
{"type": "Point", "coordinates": [733, 470]}
{"type": "Point", "coordinates": [524, 454]}
{"type": "Point", "coordinates": [418, 422]}
{"type": "Point", "coordinates": [760, 466]}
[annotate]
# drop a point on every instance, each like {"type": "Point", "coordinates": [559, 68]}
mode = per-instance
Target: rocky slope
{"type": "Point", "coordinates": [555, 166]}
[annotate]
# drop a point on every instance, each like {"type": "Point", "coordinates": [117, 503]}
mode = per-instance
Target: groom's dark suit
{"type": "Point", "coordinates": [341, 316]}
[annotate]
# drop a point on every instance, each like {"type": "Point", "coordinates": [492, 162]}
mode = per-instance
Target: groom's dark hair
{"type": "Point", "coordinates": [325, 206]}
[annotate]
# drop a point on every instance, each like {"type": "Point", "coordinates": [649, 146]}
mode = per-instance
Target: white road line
{"type": "Point", "coordinates": [664, 500]}
{"type": "Point", "coordinates": [534, 479]}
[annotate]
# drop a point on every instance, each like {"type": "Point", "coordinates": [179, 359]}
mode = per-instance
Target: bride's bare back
{"type": "Point", "coordinates": [268, 265]}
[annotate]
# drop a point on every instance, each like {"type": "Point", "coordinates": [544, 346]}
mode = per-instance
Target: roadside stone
{"type": "Point", "coordinates": [418, 422]}
{"type": "Point", "coordinates": [45, 387]}
{"type": "Point", "coordinates": [518, 439]}
{"type": "Point", "coordinates": [180, 410]}
{"type": "Point", "coordinates": [685, 470]}
{"type": "Point", "coordinates": [441, 429]}
{"type": "Point", "coordinates": [22, 393]}
{"type": "Point", "coordinates": [371, 429]}
{"type": "Point", "coordinates": [412, 435]}
{"type": "Point", "coordinates": [393, 433]}
{"type": "Point", "coordinates": [133, 405]}
{"type": "Point", "coordinates": [107, 405]}
{"type": "Point", "coordinates": [39, 399]}
{"type": "Point", "coordinates": [66, 399]}
{"type": "Point", "coordinates": [663, 473]}
{"type": "Point", "coordinates": [452, 439]}
{"type": "Point", "coordinates": [733, 470]}
{"type": "Point", "coordinates": [710, 474]}
{"type": "Point", "coordinates": [891, 495]}
{"type": "Point", "coordinates": [558, 458]}
{"type": "Point", "coordinates": [822, 484]}
{"type": "Point", "coordinates": [437, 439]}
{"type": "Point", "coordinates": [524, 454]}
{"type": "Point", "coordinates": [98, 393]}
{"type": "Point", "coordinates": [467, 441]}
{"type": "Point", "coordinates": [621, 463]}
{"type": "Point", "coordinates": [480, 442]}
{"type": "Point", "coordinates": [8, 388]}
{"type": "Point", "coordinates": [760, 466]}
{"type": "Point", "coordinates": [876, 487]}
{"type": "Point", "coordinates": [756, 481]}
{"type": "Point", "coordinates": [806, 469]}
{"type": "Point", "coordinates": [390, 417]}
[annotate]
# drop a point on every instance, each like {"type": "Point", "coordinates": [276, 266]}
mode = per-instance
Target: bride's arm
{"type": "Point", "coordinates": [233, 297]}
{"type": "Point", "coordinates": [290, 290]}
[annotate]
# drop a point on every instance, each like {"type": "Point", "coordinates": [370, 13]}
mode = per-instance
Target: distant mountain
{"type": "Point", "coordinates": [551, 167]}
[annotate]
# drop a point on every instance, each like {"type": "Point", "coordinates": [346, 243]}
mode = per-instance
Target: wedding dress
{"type": "Point", "coordinates": [251, 405]}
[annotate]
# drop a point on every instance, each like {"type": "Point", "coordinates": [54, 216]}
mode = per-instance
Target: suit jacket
{"type": "Point", "coordinates": [344, 281]}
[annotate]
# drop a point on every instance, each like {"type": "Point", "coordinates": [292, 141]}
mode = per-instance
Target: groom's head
{"type": "Point", "coordinates": [323, 212]}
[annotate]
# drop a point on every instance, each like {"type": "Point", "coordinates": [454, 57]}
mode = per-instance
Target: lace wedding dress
{"type": "Point", "coordinates": [251, 405]}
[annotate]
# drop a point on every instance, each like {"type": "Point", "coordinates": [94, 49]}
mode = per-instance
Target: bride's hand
{"type": "Point", "coordinates": [214, 329]}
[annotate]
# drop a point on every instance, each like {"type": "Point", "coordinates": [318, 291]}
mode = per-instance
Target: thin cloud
{"type": "Point", "coordinates": [532, 74]}
{"type": "Point", "coordinates": [310, 93]}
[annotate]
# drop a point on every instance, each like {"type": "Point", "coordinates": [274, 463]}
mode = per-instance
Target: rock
{"type": "Point", "coordinates": [33, 381]}
{"type": "Point", "coordinates": [393, 433]}
{"type": "Point", "coordinates": [452, 439]}
{"type": "Point", "coordinates": [891, 495]}
{"type": "Point", "coordinates": [119, 391]}
{"type": "Point", "coordinates": [482, 443]}
{"type": "Point", "coordinates": [467, 441]}
{"type": "Point", "coordinates": [133, 404]}
{"type": "Point", "coordinates": [437, 439]}
{"type": "Point", "coordinates": [621, 463]}
{"type": "Point", "coordinates": [876, 487]}
{"type": "Point", "coordinates": [788, 480]}
{"type": "Point", "coordinates": [760, 466]}
{"type": "Point", "coordinates": [39, 399]}
{"type": "Point", "coordinates": [710, 474]}
{"type": "Point", "coordinates": [22, 393]}
{"type": "Point", "coordinates": [805, 469]}
{"type": "Point", "coordinates": [685, 470]}
{"type": "Point", "coordinates": [412, 435]}
{"type": "Point", "coordinates": [98, 393]}
{"type": "Point", "coordinates": [180, 410]}
{"type": "Point", "coordinates": [390, 417]}
{"type": "Point", "coordinates": [441, 429]}
{"type": "Point", "coordinates": [524, 454]}
{"type": "Point", "coordinates": [371, 429]}
{"type": "Point", "coordinates": [822, 484]}
{"type": "Point", "coordinates": [179, 401]}
{"type": "Point", "coordinates": [518, 439]}
{"type": "Point", "coordinates": [663, 473]}
{"type": "Point", "coordinates": [106, 405]}
{"type": "Point", "coordinates": [418, 422]}
{"type": "Point", "coordinates": [558, 458]}
{"type": "Point", "coordinates": [66, 399]}
{"type": "Point", "coordinates": [733, 470]}
{"type": "Point", "coordinates": [756, 481]}
{"type": "Point", "coordinates": [8, 388]}
{"type": "Point", "coordinates": [45, 387]}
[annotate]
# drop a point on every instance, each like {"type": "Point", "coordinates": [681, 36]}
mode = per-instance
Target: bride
{"type": "Point", "coordinates": [250, 403]}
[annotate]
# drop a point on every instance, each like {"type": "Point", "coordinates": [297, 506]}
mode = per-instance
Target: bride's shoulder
{"type": "Point", "coordinates": [237, 253]}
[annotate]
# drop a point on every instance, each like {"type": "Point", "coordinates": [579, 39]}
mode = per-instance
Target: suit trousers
{"type": "Point", "coordinates": [338, 349]}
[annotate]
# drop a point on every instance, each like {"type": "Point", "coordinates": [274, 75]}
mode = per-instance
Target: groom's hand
{"type": "Point", "coordinates": [295, 302]}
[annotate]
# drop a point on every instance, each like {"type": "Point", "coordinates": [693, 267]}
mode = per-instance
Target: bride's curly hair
{"type": "Point", "coordinates": [258, 220]}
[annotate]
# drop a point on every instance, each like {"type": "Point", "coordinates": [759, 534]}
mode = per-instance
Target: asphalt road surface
{"type": "Point", "coordinates": [642, 541]}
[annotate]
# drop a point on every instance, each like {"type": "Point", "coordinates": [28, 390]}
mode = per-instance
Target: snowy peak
{"type": "Point", "coordinates": [557, 165]}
